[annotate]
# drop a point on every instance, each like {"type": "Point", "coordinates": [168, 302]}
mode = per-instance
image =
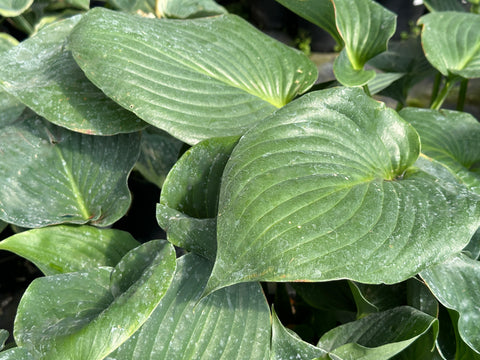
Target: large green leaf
{"type": "Point", "coordinates": [325, 188]}
{"type": "Point", "coordinates": [61, 249]}
{"type": "Point", "coordinates": [365, 27]}
{"type": "Point", "coordinates": [159, 152]}
{"type": "Point", "coordinates": [318, 12]}
{"type": "Point", "coordinates": [195, 79]}
{"type": "Point", "coordinates": [11, 8]}
{"type": "Point", "coordinates": [86, 315]}
{"type": "Point", "coordinates": [451, 137]}
{"type": "Point", "coordinates": [51, 175]}
{"type": "Point", "coordinates": [233, 323]}
{"type": "Point", "coordinates": [454, 284]}
{"type": "Point", "coordinates": [189, 200]}
{"type": "Point", "coordinates": [16, 354]}
{"type": "Point", "coordinates": [459, 52]}
{"type": "Point", "coordinates": [183, 9]}
{"type": "Point", "coordinates": [42, 74]}
{"type": "Point", "coordinates": [378, 336]}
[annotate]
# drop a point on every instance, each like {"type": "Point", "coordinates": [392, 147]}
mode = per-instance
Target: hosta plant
{"type": "Point", "coordinates": [302, 220]}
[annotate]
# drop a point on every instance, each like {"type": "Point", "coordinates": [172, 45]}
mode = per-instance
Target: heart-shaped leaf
{"type": "Point", "coordinates": [53, 85]}
{"type": "Point", "coordinates": [380, 335]}
{"type": "Point", "coordinates": [51, 175]}
{"type": "Point", "coordinates": [451, 137]}
{"type": "Point", "coordinates": [11, 8]}
{"type": "Point", "coordinates": [459, 52]}
{"type": "Point", "coordinates": [189, 199]}
{"type": "Point", "coordinates": [99, 309]}
{"type": "Point", "coordinates": [325, 188]}
{"type": "Point", "coordinates": [62, 249]}
{"type": "Point", "coordinates": [318, 12]}
{"type": "Point", "coordinates": [453, 284]}
{"type": "Point", "coordinates": [233, 323]}
{"type": "Point", "coordinates": [195, 79]}
{"type": "Point", "coordinates": [188, 9]}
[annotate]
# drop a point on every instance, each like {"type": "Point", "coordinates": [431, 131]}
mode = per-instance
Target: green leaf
{"type": "Point", "coordinates": [318, 12]}
{"type": "Point", "coordinates": [51, 175]}
{"type": "Point", "coordinates": [421, 298]}
{"type": "Point", "coordinates": [98, 309]}
{"type": "Point", "coordinates": [378, 336]}
{"type": "Point", "coordinates": [347, 75]}
{"type": "Point", "coordinates": [365, 27]}
{"type": "Point", "coordinates": [233, 323]}
{"type": "Point", "coordinates": [189, 198]}
{"type": "Point", "coordinates": [374, 298]}
{"type": "Point", "coordinates": [459, 52]}
{"type": "Point", "coordinates": [62, 249]}
{"type": "Point", "coordinates": [452, 284]}
{"type": "Point", "coordinates": [7, 41]}
{"type": "Point", "coordinates": [3, 338]}
{"type": "Point", "coordinates": [325, 189]}
{"type": "Point", "coordinates": [383, 80]}
{"type": "Point", "coordinates": [3, 225]}
{"type": "Point", "coordinates": [472, 250]}
{"type": "Point", "coordinates": [202, 78]}
{"type": "Point", "coordinates": [183, 9]}
{"type": "Point", "coordinates": [159, 152]}
{"type": "Point", "coordinates": [450, 137]}
{"type": "Point", "coordinates": [11, 8]}
{"type": "Point", "coordinates": [143, 7]}
{"type": "Point", "coordinates": [443, 5]}
{"type": "Point", "coordinates": [16, 354]}
{"type": "Point", "coordinates": [42, 74]}
{"type": "Point", "coordinates": [287, 345]}
{"type": "Point", "coordinates": [330, 296]}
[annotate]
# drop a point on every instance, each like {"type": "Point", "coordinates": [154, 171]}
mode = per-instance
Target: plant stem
{"type": "Point", "coordinates": [462, 94]}
{"type": "Point", "coordinates": [22, 23]}
{"type": "Point", "coordinates": [367, 90]}
{"type": "Point", "coordinates": [437, 103]}
{"type": "Point", "coordinates": [436, 87]}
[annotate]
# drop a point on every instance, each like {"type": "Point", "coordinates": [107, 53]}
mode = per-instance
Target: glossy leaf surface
{"type": "Point", "coordinates": [11, 8]}
{"type": "Point", "coordinates": [188, 9]}
{"type": "Point", "coordinates": [326, 189]}
{"type": "Point", "coordinates": [42, 74]}
{"type": "Point", "coordinates": [453, 284]}
{"type": "Point", "coordinates": [62, 249]}
{"type": "Point", "coordinates": [99, 309]}
{"type": "Point", "coordinates": [233, 323]}
{"type": "Point", "coordinates": [51, 175]}
{"type": "Point", "coordinates": [459, 52]}
{"type": "Point", "coordinates": [195, 79]}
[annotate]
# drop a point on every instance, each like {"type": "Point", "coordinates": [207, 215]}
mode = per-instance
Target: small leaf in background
{"type": "Point", "coordinates": [288, 345]}
{"type": "Point", "coordinates": [7, 41]}
{"type": "Point", "coordinates": [420, 297]}
{"type": "Point", "coordinates": [96, 315]}
{"type": "Point", "coordinates": [51, 175]}
{"type": "Point", "coordinates": [379, 335]}
{"type": "Point", "coordinates": [158, 153]}
{"type": "Point", "coordinates": [66, 248]}
{"type": "Point", "coordinates": [472, 250]}
{"type": "Point", "coordinates": [318, 12]}
{"type": "Point", "coordinates": [189, 199]}
{"type": "Point", "coordinates": [52, 84]}
{"type": "Point", "coordinates": [463, 351]}
{"type": "Point", "coordinates": [143, 7]}
{"type": "Point", "coordinates": [443, 5]}
{"type": "Point", "coordinates": [365, 27]}
{"type": "Point", "coordinates": [233, 323]}
{"type": "Point", "coordinates": [451, 137]}
{"type": "Point", "coordinates": [3, 338]}
{"type": "Point", "coordinates": [327, 188]}
{"type": "Point", "coordinates": [383, 80]}
{"type": "Point", "coordinates": [188, 9]}
{"type": "Point", "coordinates": [202, 78]}
{"type": "Point", "coordinates": [453, 284]}
{"type": "Point", "coordinates": [374, 298]}
{"type": "Point", "coordinates": [458, 53]}
{"type": "Point", "coordinates": [11, 8]}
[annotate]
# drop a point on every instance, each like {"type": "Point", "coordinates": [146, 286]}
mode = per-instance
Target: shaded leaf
{"type": "Point", "coordinates": [421, 298]}
{"type": "Point", "coordinates": [379, 335]}
{"type": "Point", "coordinates": [443, 5]}
{"type": "Point", "coordinates": [347, 75]}
{"type": "Point", "coordinates": [287, 345]}
{"type": "Point", "coordinates": [62, 249]}
{"type": "Point", "coordinates": [143, 7]}
{"type": "Point", "coordinates": [188, 9]}
{"type": "Point", "coordinates": [42, 74]}
{"type": "Point", "coordinates": [189, 198]}
{"type": "Point", "coordinates": [330, 296]}
{"type": "Point", "coordinates": [96, 314]}
{"type": "Point", "coordinates": [318, 12]}
{"type": "Point", "coordinates": [472, 250]}
{"type": "Point", "coordinates": [159, 152]}
{"type": "Point", "coordinates": [7, 41]}
{"type": "Point", "coordinates": [3, 225]}
{"type": "Point", "coordinates": [233, 323]}
{"type": "Point", "coordinates": [11, 8]}
{"type": "Point", "coordinates": [3, 338]}
{"type": "Point", "coordinates": [451, 283]}
{"type": "Point", "coordinates": [382, 81]}
{"type": "Point", "coordinates": [51, 175]}
{"type": "Point", "coordinates": [202, 78]}
{"type": "Point", "coordinates": [458, 53]}
{"type": "Point", "coordinates": [325, 188]}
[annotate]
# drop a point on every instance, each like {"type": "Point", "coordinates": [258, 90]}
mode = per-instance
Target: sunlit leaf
{"type": "Point", "coordinates": [42, 74]}
{"type": "Point", "coordinates": [183, 9]}
{"type": "Point", "coordinates": [195, 79]}
{"type": "Point", "coordinates": [98, 309]}
{"type": "Point", "coordinates": [458, 53]}
{"type": "Point", "coordinates": [11, 8]}
{"type": "Point", "coordinates": [51, 175]}
{"type": "Point", "coordinates": [233, 323]}
{"type": "Point", "coordinates": [61, 249]}
{"type": "Point", "coordinates": [330, 187]}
